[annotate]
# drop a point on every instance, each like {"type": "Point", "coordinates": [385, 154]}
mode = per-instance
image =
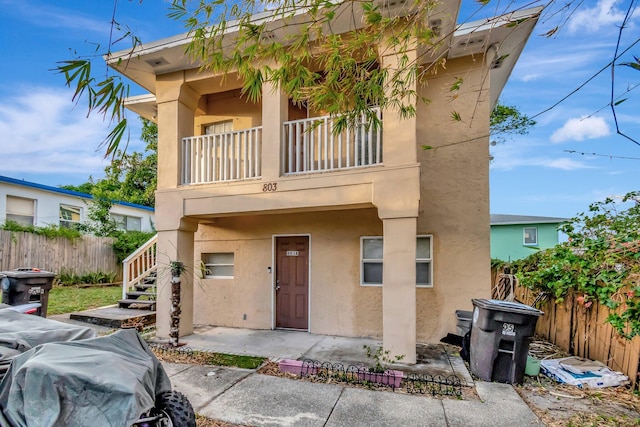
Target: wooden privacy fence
{"type": "Point", "coordinates": [584, 332]}
{"type": "Point", "coordinates": [84, 255]}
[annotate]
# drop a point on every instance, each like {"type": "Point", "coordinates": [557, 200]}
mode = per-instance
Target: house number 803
{"type": "Point", "coordinates": [272, 186]}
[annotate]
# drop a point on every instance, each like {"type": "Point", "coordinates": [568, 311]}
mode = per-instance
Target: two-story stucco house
{"type": "Point", "coordinates": [359, 234]}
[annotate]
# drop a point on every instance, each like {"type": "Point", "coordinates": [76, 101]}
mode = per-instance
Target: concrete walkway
{"type": "Point", "coordinates": [245, 397]}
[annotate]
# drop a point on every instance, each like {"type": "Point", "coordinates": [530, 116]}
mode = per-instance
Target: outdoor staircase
{"type": "Point", "coordinates": [140, 274]}
{"type": "Point", "coordinates": [144, 295]}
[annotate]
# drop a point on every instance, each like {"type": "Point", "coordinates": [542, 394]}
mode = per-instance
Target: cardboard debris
{"type": "Point", "coordinates": [582, 373]}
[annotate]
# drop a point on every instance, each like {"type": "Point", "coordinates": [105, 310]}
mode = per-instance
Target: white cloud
{"type": "Point", "coordinates": [604, 14]}
{"type": "Point", "coordinates": [41, 132]}
{"type": "Point", "coordinates": [581, 129]}
{"type": "Point", "coordinates": [526, 152]}
{"type": "Point", "coordinates": [563, 163]}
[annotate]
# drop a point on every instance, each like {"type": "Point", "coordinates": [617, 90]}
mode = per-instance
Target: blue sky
{"type": "Point", "coordinates": [46, 139]}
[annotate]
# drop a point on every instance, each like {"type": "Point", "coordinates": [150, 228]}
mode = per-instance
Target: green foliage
{"type": "Point", "coordinates": [381, 359]}
{"type": "Point", "coordinates": [128, 241]}
{"type": "Point", "coordinates": [507, 119]}
{"type": "Point", "coordinates": [105, 96]}
{"type": "Point", "coordinates": [599, 263]}
{"type": "Point", "coordinates": [99, 221]}
{"type": "Point", "coordinates": [49, 231]}
{"type": "Point", "coordinates": [130, 177]}
{"type": "Point", "coordinates": [69, 279]}
{"type": "Point", "coordinates": [87, 187]}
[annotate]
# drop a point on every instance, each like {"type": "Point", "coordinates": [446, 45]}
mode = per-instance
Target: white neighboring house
{"type": "Point", "coordinates": [30, 203]}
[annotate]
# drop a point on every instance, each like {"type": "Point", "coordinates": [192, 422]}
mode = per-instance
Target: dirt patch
{"type": "Point", "coordinates": [206, 422]}
{"type": "Point", "coordinates": [564, 405]}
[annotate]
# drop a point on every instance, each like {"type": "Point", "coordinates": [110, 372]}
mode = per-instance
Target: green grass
{"type": "Point", "coordinates": [168, 354]}
{"type": "Point", "coordinates": [69, 299]}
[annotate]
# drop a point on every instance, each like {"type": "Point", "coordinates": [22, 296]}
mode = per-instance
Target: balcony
{"type": "Point", "coordinates": [222, 157]}
{"type": "Point", "coordinates": [308, 146]}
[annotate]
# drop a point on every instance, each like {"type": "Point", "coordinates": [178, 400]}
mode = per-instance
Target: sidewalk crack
{"type": "Point", "coordinates": [334, 407]}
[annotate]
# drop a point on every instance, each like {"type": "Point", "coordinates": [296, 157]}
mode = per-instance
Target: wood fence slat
{"type": "Point", "coordinates": [88, 254]}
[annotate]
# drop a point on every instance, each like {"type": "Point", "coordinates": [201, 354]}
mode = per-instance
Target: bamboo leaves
{"type": "Point", "coordinates": [106, 97]}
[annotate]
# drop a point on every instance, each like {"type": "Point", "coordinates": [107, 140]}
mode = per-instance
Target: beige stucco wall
{"type": "Point", "coordinates": [454, 194]}
{"type": "Point", "coordinates": [244, 114]}
{"type": "Point", "coordinates": [339, 305]}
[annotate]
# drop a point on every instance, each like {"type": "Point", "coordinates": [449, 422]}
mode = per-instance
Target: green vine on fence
{"type": "Point", "coordinates": [600, 263]}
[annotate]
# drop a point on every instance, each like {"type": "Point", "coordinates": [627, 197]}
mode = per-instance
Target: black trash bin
{"type": "Point", "coordinates": [500, 338]}
{"type": "Point", "coordinates": [27, 285]}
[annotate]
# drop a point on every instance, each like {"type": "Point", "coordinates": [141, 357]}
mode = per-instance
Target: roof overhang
{"type": "Point", "coordinates": [499, 40]}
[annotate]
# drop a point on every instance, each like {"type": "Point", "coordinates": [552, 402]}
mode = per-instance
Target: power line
{"type": "Point", "coordinates": [601, 155]}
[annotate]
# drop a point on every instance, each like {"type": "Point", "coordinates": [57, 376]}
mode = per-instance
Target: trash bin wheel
{"type": "Point", "coordinates": [177, 409]}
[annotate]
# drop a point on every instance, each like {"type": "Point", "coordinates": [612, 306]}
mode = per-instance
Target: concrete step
{"type": "Point", "coordinates": [137, 294]}
{"type": "Point", "coordinates": [114, 317]}
{"type": "Point", "coordinates": [138, 304]}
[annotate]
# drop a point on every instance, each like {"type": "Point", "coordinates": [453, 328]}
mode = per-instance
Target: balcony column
{"type": "Point", "coordinates": [177, 104]}
{"type": "Point", "coordinates": [275, 111]}
{"type": "Point", "coordinates": [399, 134]}
{"type": "Point", "coordinates": [175, 245]}
{"type": "Point", "coordinates": [399, 288]}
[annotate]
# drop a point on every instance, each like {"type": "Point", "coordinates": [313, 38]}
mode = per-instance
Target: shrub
{"type": "Point", "coordinates": [125, 242]}
{"type": "Point", "coordinates": [49, 231]}
{"type": "Point", "coordinates": [600, 262]}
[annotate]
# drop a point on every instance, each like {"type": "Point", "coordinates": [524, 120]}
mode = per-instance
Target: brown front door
{"type": "Point", "coordinates": [292, 282]}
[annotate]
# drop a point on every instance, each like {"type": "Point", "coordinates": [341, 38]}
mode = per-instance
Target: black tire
{"type": "Point", "coordinates": [177, 407]}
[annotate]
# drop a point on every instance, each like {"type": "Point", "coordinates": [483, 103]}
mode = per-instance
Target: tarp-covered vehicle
{"type": "Point", "coordinates": [56, 374]}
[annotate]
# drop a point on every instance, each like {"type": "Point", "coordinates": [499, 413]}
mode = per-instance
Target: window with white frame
{"type": "Point", "coordinates": [530, 236]}
{"type": "Point", "coordinates": [424, 264]}
{"type": "Point", "coordinates": [21, 210]}
{"type": "Point", "coordinates": [218, 127]}
{"type": "Point", "coordinates": [371, 255]}
{"type": "Point", "coordinates": [70, 216]}
{"type": "Point", "coordinates": [218, 265]}
{"type": "Point", "coordinates": [126, 222]}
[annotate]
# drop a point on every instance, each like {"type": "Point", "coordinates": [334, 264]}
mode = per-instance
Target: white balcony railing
{"type": "Point", "coordinates": [139, 265]}
{"type": "Point", "coordinates": [229, 156]}
{"type": "Point", "coordinates": [310, 145]}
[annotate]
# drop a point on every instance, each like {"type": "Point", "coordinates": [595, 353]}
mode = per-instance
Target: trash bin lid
{"type": "Point", "coordinates": [24, 273]}
{"type": "Point", "coordinates": [508, 306]}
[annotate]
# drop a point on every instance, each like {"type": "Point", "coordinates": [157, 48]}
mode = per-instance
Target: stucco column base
{"type": "Point", "coordinates": [175, 245]}
{"type": "Point", "coordinates": [399, 288]}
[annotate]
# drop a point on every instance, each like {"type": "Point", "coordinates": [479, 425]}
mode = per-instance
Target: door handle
{"type": "Point", "coordinates": [277, 287]}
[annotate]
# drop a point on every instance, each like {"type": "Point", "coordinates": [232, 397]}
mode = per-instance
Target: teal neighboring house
{"type": "Point", "coordinates": [518, 236]}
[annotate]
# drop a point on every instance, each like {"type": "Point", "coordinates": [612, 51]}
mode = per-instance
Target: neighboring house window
{"type": "Point", "coordinates": [70, 216]}
{"type": "Point", "coordinates": [21, 210]}
{"type": "Point", "coordinates": [531, 236]}
{"type": "Point", "coordinates": [371, 254]}
{"type": "Point", "coordinates": [218, 265]}
{"type": "Point", "coordinates": [218, 127]}
{"type": "Point", "coordinates": [128, 223]}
